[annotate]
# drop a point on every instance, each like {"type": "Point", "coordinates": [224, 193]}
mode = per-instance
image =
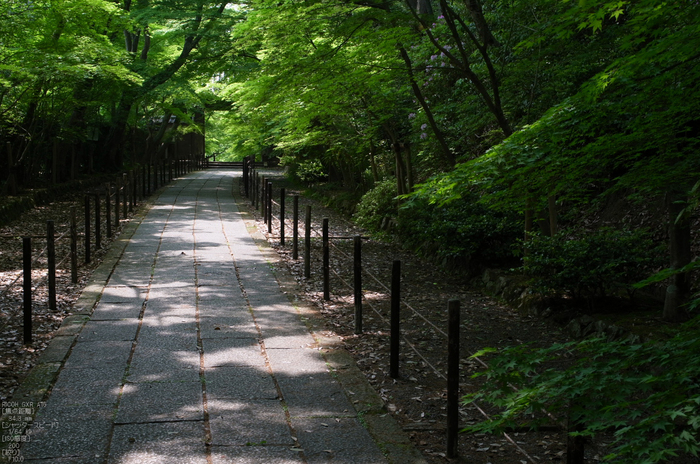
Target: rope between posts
{"type": "Point", "coordinates": [7, 289]}
{"type": "Point", "coordinates": [416, 312]}
{"type": "Point", "coordinates": [436, 328]}
{"type": "Point", "coordinates": [387, 322]}
{"type": "Point", "coordinates": [35, 261]}
{"type": "Point", "coordinates": [63, 260]}
{"type": "Point", "coordinates": [435, 370]}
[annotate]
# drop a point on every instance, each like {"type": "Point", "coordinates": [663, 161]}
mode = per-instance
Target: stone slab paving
{"type": "Point", "coordinates": [194, 354]}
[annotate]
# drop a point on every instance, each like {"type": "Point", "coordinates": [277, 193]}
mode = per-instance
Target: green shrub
{"type": "Point", "coordinates": [378, 203]}
{"type": "Point", "coordinates": [645, 395]}
{"type": "Point", "coordinates": [591, 265]}
{"type": "Point", "coordinates": [307, 171]}
{"type": "Point", "coordinates": [465, 233]}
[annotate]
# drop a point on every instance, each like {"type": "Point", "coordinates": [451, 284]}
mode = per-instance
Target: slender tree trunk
{"type": "Point", "coordinates": [447, 154]}
{"type": "Point", "coordinates": [400, 170]}
{"type": "Point", "coordinates": [373, 163]}
{"type": "Point", "coordinates": [409, 168]}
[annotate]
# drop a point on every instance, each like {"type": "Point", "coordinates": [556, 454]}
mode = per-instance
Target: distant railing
{"type": "Point", "coordinates": [120, 198]}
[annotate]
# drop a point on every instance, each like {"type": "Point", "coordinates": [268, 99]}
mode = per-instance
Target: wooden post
{"type": "Point", "coordinates": [395, 319]}
{"type": "Point", "coordinates": [98, 220]}
{"type": "Point", "coordinates": [155, 176]}
{"type": "Point", "coordinates": [258, 194]}
{"type": "Point", "coordinates": [326, 263]}
{"type": "Point", "coordinates": [51, 265]}
{"type": "Point", "coordinates": [245, 176]}
{"type": "Point", "coordinates": [73, 246]}
{"type": "Point", "coordinates": [108, 209]}
{"type": "Point", "coordinates": [131, 190]}
{"type": "Point", "coordinates": [357, 267]}
{"type": "Point", "coordinates": [263, 203]}
{"type": "Point", "coordinates": [135, 190]}
{"type": "Point", "coordinates": [87, 228]}
{"type": "Point", "coordinates": [254, 186]}
{"type": "Point", "coordinates": [295, 227]}
{"type": "Point", "coordinates": [282, 199]}
{"type": "Point", "coordinates": [27, 284]}
{"type": "Point", "coordinates": [453, 379]}
{"type": "Point", "coordinates": [575, 445]}
{"type": "Point", "coordinates": [307, 242]}
{"type": "Point", "coordinates": [117, 188]}
{"type": "Point", "coordinates": [269, 207]}
{"type": "Point", "coordinates": [125, 204]}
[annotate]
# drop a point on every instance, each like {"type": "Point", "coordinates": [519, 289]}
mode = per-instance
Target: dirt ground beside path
{"type": "Point", "coordinates": [418, 398]}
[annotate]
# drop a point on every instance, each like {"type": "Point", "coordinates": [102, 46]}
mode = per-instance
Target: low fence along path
{"type": "Point", "coordinates": [194, 355]}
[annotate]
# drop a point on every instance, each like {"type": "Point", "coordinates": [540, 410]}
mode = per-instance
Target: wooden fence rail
{"type": "Point", "coordinates": [122, 194]}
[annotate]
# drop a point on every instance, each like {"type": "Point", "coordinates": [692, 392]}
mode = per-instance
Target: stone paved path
{"type": "Point", "coordinates": [194, 355]}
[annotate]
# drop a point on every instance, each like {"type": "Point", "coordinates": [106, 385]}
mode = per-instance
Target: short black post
{"type": "Point", "coordinates": [108, 209]}
{"type": "Point", "coordinates": [254, 189]}
{"type": "Point", "coordinates": [148, 179]}
{"type": "Point", "coordinates": [87, 228]}
{"type": "Point", "coordinates": [51, 265]}
{"type": "Point", "coordinates": [73, 246]}
{"type": "Point", "coordinates": [269, 207]}
{"type": "Point", "coordinates": [27, 276]}
{"type": "Point", "coordinates": [155, 176]}
{"type": "Point", "coordinates": [575, 444]}
{"type": "Point", "coordinates": [125, 203]}
{"type": "Point", "coordinates": [263, 203]}
{"type": "Point", "coordinates": [326, 263]}
{"type": "Point", "coordinates": [98, 222]}
{"type": "Point", "coordinates": [295, 227]}
{"type": "Point", "coordinates": [117, 188]}
{"type": "Point", "coordinates": [282, 214]}
{"type": "Point", "coordinates": [395, 319]}
{"type": "Point", "coordinates": [143, 182]}
{"type": "Point", "coordinates": [245, 176]}
{"type": "Point", "coordinates": [137, 181]}
{"type": "Point", "coordinates": [307, 242]}
{"type": "Point", "coordinates": [132, 190]}
{"type": "Point", "coordinates": [357, 268]}
{"type": "Point", "coordinates": [259, 191]}
{"type": "Point", "coordinates": [453, 378]}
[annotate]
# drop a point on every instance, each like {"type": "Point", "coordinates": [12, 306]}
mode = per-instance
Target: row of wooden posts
{"type": "Point", "coordinates": [120, 198]}
{"type": "Point", "coordinates": [259, 189]}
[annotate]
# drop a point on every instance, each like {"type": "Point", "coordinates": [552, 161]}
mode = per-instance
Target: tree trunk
{"type": "Point", "coordinates": [373, 163]}
{"type": "Point", "coordinates": [400, 170]}
{"type": "Point", "coordinates": [448, 155]}
{"type": "Point", "coordinates": [679, 240]}
{"type": "Point", "coordinates": [409, 168]}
